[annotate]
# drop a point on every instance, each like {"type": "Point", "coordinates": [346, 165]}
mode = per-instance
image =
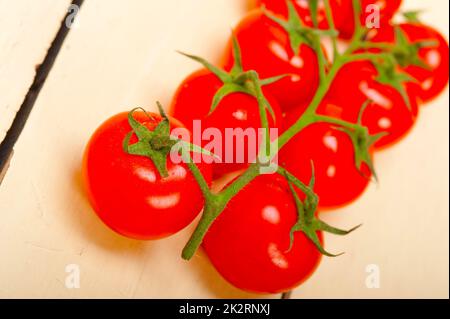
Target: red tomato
{"type": "Point", "coordinates": [337, 6]}
{"type": "Point", "coordinates": [388, 112]}
{"type": "Point", "coordinates": [342, 10]}
{"type": "Point", "coordinates": [338, 180]}
{"type": "Point", "coordinates": [266, 49]}
{"type": "Point", "coordinates": [388, 8]}
{"type": "Point", "coordinates": [433, 79]}
{"type": "Point", "coordinates": [248, 243]}
{"type": "Point", "coordinates": [127, 192]}
{"type": "Point", "coordinates": [193, 101]}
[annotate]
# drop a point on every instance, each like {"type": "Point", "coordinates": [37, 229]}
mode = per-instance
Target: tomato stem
{"type": "Point", "coordinates": [214, 206]}
{"type": "Point", "coordinates": [321, 58]}
{"type": "Point", "coordinates": [332, 26]}
{"type": "Point", "coordinates": [250, 174]}
{"type": "Point", "coordinates": [359, 29]}
{"type": "Point", "coordinates": [216, 203]}
{"type": "Point", "coordinates": [204, 187]}
{"type": "Point", "coordinates": [309, 116]}
{"type": "Point", "coordinates": [259, 95]}
{"type": "Point", "coordinates": [336, 121]}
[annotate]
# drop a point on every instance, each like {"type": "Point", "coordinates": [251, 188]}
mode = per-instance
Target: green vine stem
{"type": "Point", "coordinates": [332, 26]}
{"type": "Point", "coordinates": [216, 203]}
{"type": "Point", "coordinates": [199, 178]}
{"type": "Point", "coordinates": [310, 114]}
{"type": "Point", "coordinates": [214, 206]}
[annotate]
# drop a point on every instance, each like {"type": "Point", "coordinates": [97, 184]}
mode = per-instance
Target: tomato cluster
{"type": "Point", "coordinates": [342, 12]}
{"type": "Point", "coordinates": [262, 232]}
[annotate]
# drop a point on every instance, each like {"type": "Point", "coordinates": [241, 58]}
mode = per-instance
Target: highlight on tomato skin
{"type": "Point", "coordinates": [338, 181]}
{"type": "Point", "coordinates": [193, 100]}
{"type": "Point", "coordinates": [249, 242]}
{"type": "Point", "coordinates": [432, 79]}
{"type": "Point", "coordinates": [266, 48]}
{"type": "Point", "coordinates": [127, 192]}
{"type": "Point", "coordinates": [388, 112]}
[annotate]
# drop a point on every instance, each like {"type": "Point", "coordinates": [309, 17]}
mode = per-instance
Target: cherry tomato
{"type": "Point", "coordinates": [342, 11]}
{"type": "Point", "coordinates": [432, 79]}
{"type": "Point", "coordinates": [331, 151]}
{"type": "Point", "coordinates": [193, 101]}
{"type": "Point", "coordinates": [249, 242]}
{"type": "Point", "coordinates": [387, 112]}
{"type": "Point", "coordinates": [127, 192]}
{"type": "Point", "coordinates": [266, 49]}
{"type": "Point", "coordinates": [387, 8]}
{"type": "Point", "coordinates": [302, 6]}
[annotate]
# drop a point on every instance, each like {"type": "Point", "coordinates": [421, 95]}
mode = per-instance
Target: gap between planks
{"type": "Point", "coordinates": [42, 72]}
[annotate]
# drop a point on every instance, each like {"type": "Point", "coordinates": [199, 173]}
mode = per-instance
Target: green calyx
{"type": "Point", "coordinates": [157, 144]}
{"type": "Point", "coordinates": [237, 80]}
{"type": "Point", "coordinates": [388, 74]}
{"type": "Point", "coordinates": [360, 137]}
{"type": "Point", "coordinates": [412, 16]}
{"type": "Point", "coordinates": [298, 33]}
{"type": "Point", "coordinates": [307, 222]}
{"type": "Point", "coordinates": [362, 143]}
{"type": "Point", "coordinates": [407, 53]}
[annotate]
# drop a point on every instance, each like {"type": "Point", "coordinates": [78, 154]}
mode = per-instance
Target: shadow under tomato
{"type": "Point", "coordinates": [95, 232]}
{"type": "Point", "coordinates": [215, 283]}
{"type": "Point", "coordinates": [93, 228]}
{"type": "Point", "coordinates": [250, 5]}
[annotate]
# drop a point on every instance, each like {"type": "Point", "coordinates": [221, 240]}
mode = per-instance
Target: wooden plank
{"type": "Point", "coordinates": [119, 56]}
{"type": "Point", "coordinates": [405, 217]}
{"type": "Point", "coordinates": [27, 29]}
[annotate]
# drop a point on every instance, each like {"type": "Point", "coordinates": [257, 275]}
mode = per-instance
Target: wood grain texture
{"type": "Point", "coordinates": [27, 29]}
{"type": "Point", "coordinates": [121, 55]}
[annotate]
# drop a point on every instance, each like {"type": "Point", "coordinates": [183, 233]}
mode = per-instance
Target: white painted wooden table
{"type": "Point", "coordinates": [121, 54]}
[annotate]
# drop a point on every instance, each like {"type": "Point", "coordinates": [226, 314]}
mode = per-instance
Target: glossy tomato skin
{"type": "Point", "coordinates": [193, 101]}
{"type": "Point", "coordinates": [342, 10]}
{"type": "Point", "coordinates": [434, 79]}
{"type": "Point", "coordinates": [339, 9]}
{"type": "Point", "coordinates": [127, 192]}
{"type": "Point", "coordinates": [388, 112]}
{"type": "Point", "coordinates": [338, 180]}
{"type": "Point", "coordinates": [248, 243]}
{"type": "Point", "coordinates": [266, 49]}
{"type": "Point", "coordinates": [388, 8]}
